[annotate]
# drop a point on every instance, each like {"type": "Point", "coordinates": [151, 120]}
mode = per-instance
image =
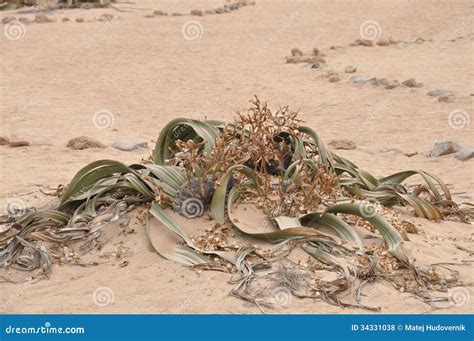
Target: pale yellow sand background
{"type": "Point", "coordinates": [145, 72]}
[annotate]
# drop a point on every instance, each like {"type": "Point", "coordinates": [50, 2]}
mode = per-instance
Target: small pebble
{"type": "Point", "coordinates": [4, 140]}
{"type": "Point", "coordinates": [412, 83]}
{"type": "Point", "coordinates": [296, 52]}
{"type": "Point", "coordinates": [334, 78]}
{"type": "Point", "coordinates": [129, 145]}
{"type": "Point", "coordinates": [342, 144]}
{"type": "Point", "coordinates": [383, 42]}
{"type": "Point", "coordinates": [363, 42]}
{"type": "Point", "coordinates": [443, 148]}
{"type": "Point", "coordinates": [84, 142]}
{"type": "Point", "coordinates": [464, 154]}
{"type": "Point", "coordinates": [439, 92]}
{"type": "Point", "coordinates": [19, 143]}
{"type": "Point", "coordinates": [159, 13]}
{"type": "Point", "coordinates": [363, 79]}
{"type": "Point", "coordinates": [392, 85]}
{"type": "Point", "coordinates": [196, 12]}
{"type": "Point", "coordinates": [350, 69]}
{"type": "Point", "coordinates": [41, 18]}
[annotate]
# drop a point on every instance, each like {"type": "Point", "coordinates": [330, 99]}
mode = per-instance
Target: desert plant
{"type": "Point", "coordinates": [265, 159]}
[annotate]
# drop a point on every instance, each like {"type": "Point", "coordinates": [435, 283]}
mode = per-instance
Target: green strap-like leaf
{"type": "Point", "coordinates": [218, 199]}
{"type": "Point", "coordinates": [391, 236]}
{"type": "Point", "coordinates": [171, 133]}
{"type": "Point", "coordinates": [91, 173]}
{"type": "Point", "coordinates": [344, 230]}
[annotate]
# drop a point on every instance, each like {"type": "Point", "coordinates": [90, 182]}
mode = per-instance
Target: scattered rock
{"type": "Point", "coordinates": [65, 19]}
{"type": "Point", "coordinates": [220, 10]}
{"type": "Point", "coordinates": [129, 146]}
{"type": "Point", "coordinates": [196, 12]}
{"type": "Point", "coordinates": [177, 14]}
{"type": "Point", "coordinates": [363, 79]}
{"type": "Point", "coordinates": [382, 82]}
{"type": "Point", "coordinates": [293, 59]}
{"type": "Point", "coordinates": [383, 42]}
{"type": "Point", "coordinates": [41, 18]}
{"type": "Point", "coordinates": [392, 85]}
{"type": "Point", "coordinates": [334, 78]}
{"type": "Point", "coordinates": [7, 19]}
{"type": "Point", "coordinates": [315, 65]}
{"type": "Point", "coordinates": [84, 142]}
{"type": "Point", "coordinates": [4, 140]}
{"type": "Point", "coordinates": [296, 52]}
{"type": "Point", "coordinates": [363, 42]}
{"type": "Point", "coordinates": [210, 11]}
{"type": "Point", "coordinates": [160, 13]}
{"type": "Point", "coordinates": [19, 143]}
{"type": "Point", "coordinates": [342, 144]}
{"type": "Point", "coordinates": [410, 154]}
{"type": "Point", "coordinates": [443, 99]}
{"type": "Point", "coordinates": [106, 17]}
{"type": "Point", "coordinates": [149, 16]}
{"type": "Point", "coordinates": [464, 154]}
{"type": "Point", "coordinates": [80, 19]}
{"type": "Point", "coordinates": [439, 92]}
{"type": "Point", "coordinates": [23, 20]}
{"type": "Point", "coordinates": [317, 52]}
{"type": "Point", "coordinates": [232, 6]}
{"type": "Point", "coordinates": [443, 148]}
{"type": "Point", "coordinates": [350, 69]}
{"type": "Point", "coordinates": [412, 83]}
{"type": "Point", "coordinates": [419, 40]}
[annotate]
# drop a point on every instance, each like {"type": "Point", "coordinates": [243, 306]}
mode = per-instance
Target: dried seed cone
{"type": "Point", "coordinates": [194, 197]}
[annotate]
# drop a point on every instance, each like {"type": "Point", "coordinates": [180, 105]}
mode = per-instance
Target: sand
{"type": "Point", "coordinates": [145, 72]}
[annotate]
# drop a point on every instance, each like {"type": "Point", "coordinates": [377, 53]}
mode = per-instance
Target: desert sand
{"type": "Point", "coordinates": [145, 71]}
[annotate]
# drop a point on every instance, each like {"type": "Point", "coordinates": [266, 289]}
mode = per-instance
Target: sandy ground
{"type": "Point", "coordinates": [145, 72]}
